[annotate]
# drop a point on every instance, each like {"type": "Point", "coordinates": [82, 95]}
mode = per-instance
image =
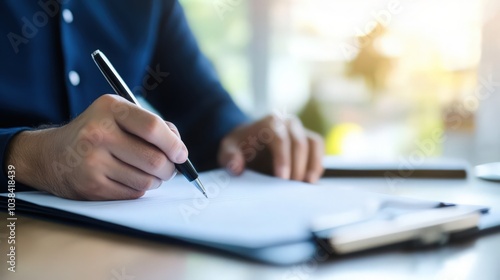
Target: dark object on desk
{"type": "Point", "coordinates": [431, 168]}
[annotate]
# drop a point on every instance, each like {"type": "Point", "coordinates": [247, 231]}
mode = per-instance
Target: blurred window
{"type": "Point", "coordinates": [379, 78]}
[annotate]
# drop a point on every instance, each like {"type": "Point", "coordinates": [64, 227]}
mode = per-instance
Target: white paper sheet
{"type": "Point", "coordinates": [248, 211]}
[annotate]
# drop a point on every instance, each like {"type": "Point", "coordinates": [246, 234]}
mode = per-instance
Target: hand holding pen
{"type": "Point", "coordinates": [120, 87]}
{"type": "Point", "coordinates": [113, 150]}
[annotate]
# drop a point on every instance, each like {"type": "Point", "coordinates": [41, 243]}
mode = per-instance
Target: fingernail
{"type": "Point", "coordinates": [233, 167]}
{"type": "Point", "coordinates": [155, 186]}
{"type": "Point", "coordinates": [283, 172]}
{"type": "Point", "coordinates": [181, 155]}
{"type": "Point", "coordinates": [311, 177]}
{"type": "Point", "coordinates": [173, 175]}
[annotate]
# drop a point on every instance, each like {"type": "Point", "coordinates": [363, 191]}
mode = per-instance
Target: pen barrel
{"type": "Point", "coordinates": [187, 169]}
{"type": "Point", "coordinates": [113, 78]}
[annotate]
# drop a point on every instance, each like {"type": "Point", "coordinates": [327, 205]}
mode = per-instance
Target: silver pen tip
{"type": "Point", "coordinates": [200, 187]}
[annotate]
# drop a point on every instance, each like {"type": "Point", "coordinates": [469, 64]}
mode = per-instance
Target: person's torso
{"type": "Point", "coordinates": [46, 72]}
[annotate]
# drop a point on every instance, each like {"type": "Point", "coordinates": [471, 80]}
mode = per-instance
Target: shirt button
{"type": "Point", "coordinates": [67, 16]}
{"type": "Point", "coordinates": [74, 78]}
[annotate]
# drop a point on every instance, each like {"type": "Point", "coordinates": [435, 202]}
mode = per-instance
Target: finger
{"type": "Point", "coordinates": [315, 162]}
{"type": "Point", "coordinates": [152, 129]}
{"type": "Point", "coordinates": [105, 188]}
{"type": "Point", "coordinates": [131, 176]}
{"type": "Point", "coordinates": [231, 157]}
{"type": "Point", "coordinates": [117, 191]}
{"type": "Point", "coordinates": [299, 149]}
{"type": "Point", "coordinates": [279, 147]}
{"type": "Point", "coordinates": [173, 128]}
{"type": "Point", "coordinates": [142, 155]}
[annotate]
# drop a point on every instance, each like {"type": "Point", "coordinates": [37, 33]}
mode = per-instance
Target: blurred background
{"type": "Point", "coordinates": [377, 78]}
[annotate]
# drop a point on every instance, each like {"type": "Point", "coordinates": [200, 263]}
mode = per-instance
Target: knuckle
{"type": "Point", "coordinates": [273, 121]}
{"type": "Point", "coordinates": [105, 100]}
{"type": "Point", "coordinates": [92, 160]}
{"type": "Point", "coordinates": [90, 133]}
{"type": "Point", "coordinates": [224, 142]}
{"type": "Point", "coordinates": [227, 142]}
{"type": "Point", "coordinates": [273, 117]}
{"type": "Point", "coordinates": [157, 161]}
{"type": "Point", "coordinates": [152, 125]}
{"type": "Point", "coordinates": [295, 124]}
{"type": "Point", "coordinates": [86, 129]}
{"type": "Point", "coordinates": [299, 139]}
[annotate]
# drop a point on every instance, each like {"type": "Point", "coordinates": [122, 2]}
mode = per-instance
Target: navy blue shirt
{"type": "Point", "coordinates": [48, 77]}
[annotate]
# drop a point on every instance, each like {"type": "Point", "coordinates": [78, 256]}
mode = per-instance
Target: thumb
{"type": "Point", "coordinates": [231, 157]}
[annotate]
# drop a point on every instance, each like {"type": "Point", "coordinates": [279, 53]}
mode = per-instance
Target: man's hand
{"type": "Point", "coordinates": [273, 145]}
{"type": "Point", "coordinates": [113, 150]}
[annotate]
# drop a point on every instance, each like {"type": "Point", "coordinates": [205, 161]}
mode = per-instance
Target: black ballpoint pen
{"type": "Point", "coordinates": [187, 169]}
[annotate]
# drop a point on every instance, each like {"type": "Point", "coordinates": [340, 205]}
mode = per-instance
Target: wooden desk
{"type": "Point", "coordinates": [53, 251]}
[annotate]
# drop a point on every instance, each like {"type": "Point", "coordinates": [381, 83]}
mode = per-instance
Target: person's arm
{"type": "Point", "coordinates": [113, 150]}
{"type": "Point", "coordinates": [215, 130]}
{"type": "Point", "coordinates": [6, 136]}
{"type": "Point", "coordinates": [191, 96]}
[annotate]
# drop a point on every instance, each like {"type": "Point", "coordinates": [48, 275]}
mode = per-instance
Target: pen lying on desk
{"type": "Point", "coordinates": [187, 169]}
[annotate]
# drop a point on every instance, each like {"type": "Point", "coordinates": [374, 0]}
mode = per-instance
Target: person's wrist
{"type": "Point", "coordinates": [28, 153]}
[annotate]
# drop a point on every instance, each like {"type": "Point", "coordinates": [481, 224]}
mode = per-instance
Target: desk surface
{"type": "Point", "coordinates": [49, 250]}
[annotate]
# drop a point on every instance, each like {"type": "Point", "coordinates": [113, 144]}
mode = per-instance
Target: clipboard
{"type": "Point", "coordinates": [428, 227]}
{"type": "Point", "coordinates": [453, 223]}
{"type": "Point", "coordinates": [286, 247]}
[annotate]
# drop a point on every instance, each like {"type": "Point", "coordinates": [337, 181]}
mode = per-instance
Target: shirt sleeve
{"type": "Point", "coordinates": [189, 93]}
{"type": "Point", "coordinates": [6, 135]}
